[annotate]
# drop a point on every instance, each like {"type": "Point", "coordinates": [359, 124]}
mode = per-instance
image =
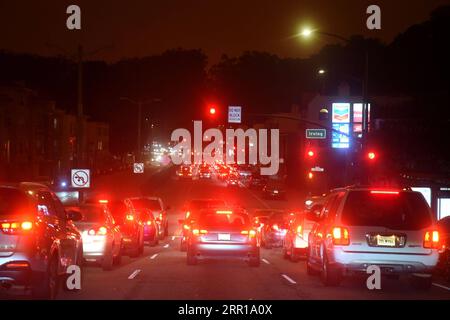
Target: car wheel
{"type": "Point", "coordinates": [46, 287]}
{"type": "Point", "coordinates": [422, 282]}
{"type": "Point", "coordinates": [191, 259]}
{"type": "Point", "coordinates": [183, 246]}
{"type": "Point", "coordinates": [255, 260]}
{"type": "Point", "coordinates": [108, 261]}
{"type": "Point", "coordinates": [330, 276]}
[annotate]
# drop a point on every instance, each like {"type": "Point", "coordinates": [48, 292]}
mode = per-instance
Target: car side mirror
{"type": "Point", "coordinates": [73, 215]}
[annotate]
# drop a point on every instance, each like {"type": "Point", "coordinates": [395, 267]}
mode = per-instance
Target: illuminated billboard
{"type": "Point", "coordinates": [340, 113]}
{"type": "Point", "coordinates": [338, 140]}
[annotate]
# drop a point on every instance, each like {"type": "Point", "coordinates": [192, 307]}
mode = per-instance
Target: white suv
{"type": "Point", "coordinates": [360, 226]}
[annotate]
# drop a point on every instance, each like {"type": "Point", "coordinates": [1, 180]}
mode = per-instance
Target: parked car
{"type": "Point", "coordinates": [102, 239]}
{"type": "Point", "coordinates": [38, 240]}
{"type": "Point", "coordinates": [393, 229]}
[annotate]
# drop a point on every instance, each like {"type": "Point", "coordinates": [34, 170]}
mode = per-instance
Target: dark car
{"type": "Point", "coordinates": [444, 259]}
{"type": "Point", "coordinates": [38, 240]}
{"type": "Point", "coordinates": [130, 224]}
{"type": "Point", "coordinates": [223, 233]}
{"type": "Point", "coordinates": [192, 209]}
{"type": "Point", "coordinates": [257, 182]}
{"type": "Point", "coordinates": [274, 230]}
{"type": "Point", "coordinates": [274, 190]}
{"type": "Point", "coordinates": [185, 172]}
{"type": "Point", "coordinates": [158, 209]}
{"type": "Point", "coordinates": [152, 232]}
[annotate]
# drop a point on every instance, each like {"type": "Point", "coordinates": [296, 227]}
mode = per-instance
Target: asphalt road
{"type": "Point", "coordinates": [162, 273]}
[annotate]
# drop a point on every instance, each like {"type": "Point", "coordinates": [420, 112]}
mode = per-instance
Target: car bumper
{"type": "Point", "coordinates": [224, 250]}
{"type": "Point", "coordinates": [21, 276]}
{"type": "Point", "coordinates": [388, 263]}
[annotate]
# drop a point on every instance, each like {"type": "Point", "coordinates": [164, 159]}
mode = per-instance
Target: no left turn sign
{"type": "Point", "coordinates": [138, 167]}
{"type": "Point", "coordinates": [80, 178]}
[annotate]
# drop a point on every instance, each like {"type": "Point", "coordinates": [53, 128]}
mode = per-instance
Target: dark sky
{"type": "Point", "coordinates": [144, 27]}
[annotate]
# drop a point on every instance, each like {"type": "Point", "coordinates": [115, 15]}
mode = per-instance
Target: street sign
{"type": "Point", "coordinates": [317, 169]}
{"type": "Point", "coordinates": [234, 114]}
{"type": "Point", "coordinates": [81, 178]}
{"type": "Point", "coordinates": [138, 167]}
{"type": "Point", "coordinates": [316, 133]}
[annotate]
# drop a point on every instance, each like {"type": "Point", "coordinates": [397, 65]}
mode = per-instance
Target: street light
{"type": "Point", "coordinates": [306, 32]}
{"type": "Point", "coordinates": [321, 71]}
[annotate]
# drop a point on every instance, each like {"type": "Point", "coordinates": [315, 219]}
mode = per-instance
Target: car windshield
{"type": "Point", "coordinates": [12, 201]}
{"type": "Point", "coordinates": [151, 204]}
{"type": "Point", "coordinates": [231, 221]}
{"type": "Point", "coordinates": [398, 211]}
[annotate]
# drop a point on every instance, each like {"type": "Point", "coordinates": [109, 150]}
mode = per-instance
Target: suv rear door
{"type": "Point", "coordinates": [386, 222]}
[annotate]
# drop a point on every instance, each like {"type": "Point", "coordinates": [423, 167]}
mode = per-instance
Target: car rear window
{"type": "Point", "coordinates": [151, 204]}
{"type": "Point", "coordinates": [398, 211]}
{"type": "Point", "coordinates": [91, 213]}
{"type": "Point", "coordinates": [231, 221]}
{"type": "Point", "coordinates": [12, 201]}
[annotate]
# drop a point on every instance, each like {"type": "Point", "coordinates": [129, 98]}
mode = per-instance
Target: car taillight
{"type": "Point", "coordinates": [299, 229]}
{"type": "Point", "coordinates": [149, 223]}
{"type": "Point", "coordinates": [130, 217]}
{"type": "Point", "coordinates": [431, 239]}
{"type": "Point", "coordinates": [197, 232]}
{"type": "Point", "coordinates": [275, 227]}
{"type": "Point", "coordinates": [186, 227]}
{"type": "Point", "coordinates": [16, 227]}
{"type": "Point", "coordinates": [250, 233]}
{"type": "Point", "coordinates": [340, 236]}
{"type": "Point", "coordinates": [102, 231]}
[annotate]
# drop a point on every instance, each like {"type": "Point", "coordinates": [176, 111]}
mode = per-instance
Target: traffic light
{"type": "Point", "coordinates": [310, 175]}
{"type": "Point", "coordinates": [310, 153]}
{"type": "Point", "coordinates": [371, 155]}
{"type": "Point", "coordinates": [212, 110]}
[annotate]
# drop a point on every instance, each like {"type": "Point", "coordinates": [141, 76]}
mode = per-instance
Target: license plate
{"type": "Point", "coordinates": [386, 241]}
{"type": "Point", "coordinates": [224, 236]}
{"type": "Point", "coordinates": [275, 191]}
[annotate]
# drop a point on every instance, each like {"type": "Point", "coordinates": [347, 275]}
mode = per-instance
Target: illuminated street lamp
{"type": "Point", "coordinates": [306, 32]}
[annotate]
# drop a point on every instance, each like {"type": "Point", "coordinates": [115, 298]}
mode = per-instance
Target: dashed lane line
{"type": "Point", "coordinates": [288, 279]}
{"type": "Point", "coordinates": [134, 274]}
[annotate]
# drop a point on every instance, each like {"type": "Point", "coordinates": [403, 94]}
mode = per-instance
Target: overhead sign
{"type": "Point", "coordinates": [234, 114]}
{"type": "Point", "coordinates": [316, 133]}
{"type": "Point", "coordinates": [138, 167]}
{"type": "Point", "coordinates": [81, 178]}
{"type": "Point", "coordinates": [340, 113]}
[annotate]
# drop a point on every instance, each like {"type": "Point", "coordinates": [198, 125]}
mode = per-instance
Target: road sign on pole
{"type": "Point", "coordinates": [316, 133]}
{"type": "Point", "coordinates": [81, 178]}
{"type": "Point", "coordinates": [138, 167]}
{"type": "Point", "coordinates": [234, 114]}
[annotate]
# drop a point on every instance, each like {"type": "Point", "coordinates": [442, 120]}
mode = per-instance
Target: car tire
{"type": "Point", "coordinates": [183, 246]}
{"type": "Point", "coordinates": [331, 277]}
{"type": "Point", "coordinates": [255, 261]}
{"type": "Point", "coordinates": [45, 287]}
{"type": "Point", "coordinates": [108, 261]}
{"type": "Point", "coordinates": [191, 259]}
{"type": "Point", "coordinates": [422, 282]}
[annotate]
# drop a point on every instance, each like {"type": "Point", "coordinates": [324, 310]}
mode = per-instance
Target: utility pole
{"type": "Point", "coordinates": [80, 149]}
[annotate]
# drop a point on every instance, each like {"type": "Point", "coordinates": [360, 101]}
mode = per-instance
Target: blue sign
{"type": "Point", "coordinates": [340, 141]}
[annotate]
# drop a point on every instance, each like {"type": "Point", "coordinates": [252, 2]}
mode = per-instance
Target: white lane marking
{"type": "Point", "coordinates": [288, 279]}
{"type": "Point", "coordinates": [153, 256]}
{"type": "Point", "coordinates": [134, 274]}
{"type": "Point", "coordinates": [441, 286]}
{"type": "Point", "coordinates": [166, 246]}
{"type": "Point", "coordinates": [265, 261]}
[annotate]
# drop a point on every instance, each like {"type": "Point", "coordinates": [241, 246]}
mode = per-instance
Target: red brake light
{"type": "Point", "coordinates": [130, 217]}
{"type": "Point", "coordinates": [431, 239]}
{"type": "Point", "coordinates": [340, 236]}
{"type": "Point", "coordinates": [196, 232]}
{"type": "Point", "coordinates": [250, 233]}
{"type": "Point", "coordinates": [102, 231]}
{"type": "Point", "coordinates": [149, 222]}
{"type": "Point", "coordinates": [384, 192]}
{"type": "Point", "coordinates": [103, 201]}
{"type": "Point", "coordinates": [224, 212]}
{"type": "Point", "coordinates": [15, 227]}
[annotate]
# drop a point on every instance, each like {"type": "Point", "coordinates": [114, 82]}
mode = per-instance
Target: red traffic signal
{"type": "Point", "coordinates": [310, 153]}
{"type": "Point", "coordinates": [212, 110]}
{"type": "Point", "coordinates": [371, 155]}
